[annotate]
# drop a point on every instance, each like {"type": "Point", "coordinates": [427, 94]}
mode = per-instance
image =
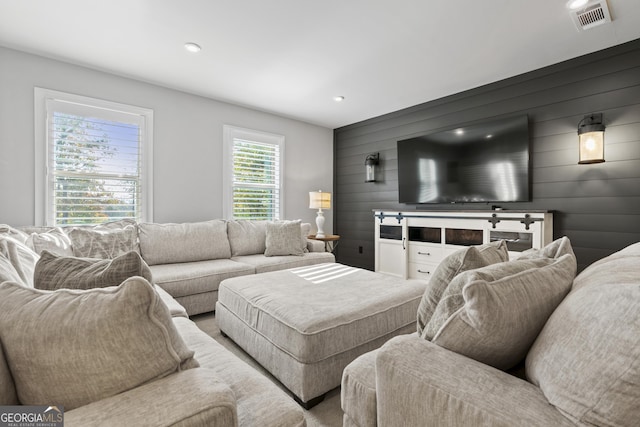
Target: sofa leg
{"type": "Point", "coordinates": [311, 403]}
{"type": "Point", "coordinates": [223, 334]}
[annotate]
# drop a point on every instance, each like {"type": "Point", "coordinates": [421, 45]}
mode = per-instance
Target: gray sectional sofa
{"type": "Point", "coordinates": [189, 260]}
{"type": "Point", "coordinates": [582, 358]}
{"type": "Point", "coordinates": [159, 368]}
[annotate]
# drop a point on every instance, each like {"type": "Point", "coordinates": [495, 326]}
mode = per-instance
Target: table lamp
{"type": "Point", "coordinates": [319, 200]}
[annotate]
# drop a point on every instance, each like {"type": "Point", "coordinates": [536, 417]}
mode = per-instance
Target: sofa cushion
{"type": "Point", "coordinates": [462, 260]}
{"type": "Point", "coordinates": [55, 241]}
{"type": "Point", "coordinates": [186, 242]}
{"type": "Point", "coordinates": [284, 238]}
{"type": "Point", "coordinates": [17, 261]}
{"type": "Point", "coordinates": [105, 241]}
{"type": "Point", "coordinates": [54, 272]}
{"type": "Point", "coordinates": [247, 237]}
{"type": "Point", "coordinates": [521, 294]}
{"type": "Point", "coordinates": [189, 278]}
{"type": "Point", "coordinates": [7, 388]}
{"type": "Point", "coordinates": [264, 264]}
{"type": "Point", "coordinates": [586, 360]}
{"type": "Point", "coordinates": [74, 347]}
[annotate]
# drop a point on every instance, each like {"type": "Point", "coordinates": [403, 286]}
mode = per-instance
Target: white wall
{"type": "Point", "coordinates": [187, 141]}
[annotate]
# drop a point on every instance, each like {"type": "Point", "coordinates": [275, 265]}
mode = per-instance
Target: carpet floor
{"type": "Point", "coordinates": [325, 414]}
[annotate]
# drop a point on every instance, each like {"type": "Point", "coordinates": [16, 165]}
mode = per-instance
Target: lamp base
{"type": "Point", "coordinates": [320, 224]}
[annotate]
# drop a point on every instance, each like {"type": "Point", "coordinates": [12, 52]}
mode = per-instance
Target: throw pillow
{"type": "Point", "coordinates": [102, 241]}
{"type": "Point", "coordinates": [305, 228]}
{"type": "Point", "coordinates": [494, 314]}
{"type": "Point", "coordinates": [53, 272]}
{"type": "Point", "coordinates": [55, 241]}
{"type": "Point", "coordinates": [462, 260]}
{"type": "Point", "coordinates": [9, 231]}
{"type": "Point", "coordinates": [586, 360]}
{"type": "Point", "coordinates": [7, 387]}
{"type": "Point", "coordinates": [283, 238]}
{"type": "Point", "coordinates": [17, 261]}
{"type": "Point", "coordinates": [186, 242]}
{"type": "Point", "coordinates": [75, 347]}
{"type": "Point", "coordinates": [247, 237]}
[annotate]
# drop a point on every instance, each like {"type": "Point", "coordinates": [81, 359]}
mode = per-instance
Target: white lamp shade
{"type": "Point", "coordinates": [319, 200]}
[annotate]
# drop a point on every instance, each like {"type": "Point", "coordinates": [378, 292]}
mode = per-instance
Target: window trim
{"type": "Point", "coordinates": [229, 134]}
{"type": "Point", "coordinates": [42, 194]}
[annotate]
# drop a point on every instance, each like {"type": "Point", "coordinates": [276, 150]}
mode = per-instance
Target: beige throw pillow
{"type": "Point", "coordinates": [75, 347]}
{"type": "Point", "coordinates": [462, 260]}
{"type": "Point", "coordinates": [55, 241]}
{"type": "Point", "coordinates": [53, 272]}
{"type": "Point", "coordinates": [494, 314]}
{"type": "Point", "coordinates": [284, 238]}
{"type": "Point", "coordinates": [247, 237]}
{"type": "Point", "coordinates": [17, 261]}
{"type": "Point", "coordinates": [586, 360]}
{"type": "Point", "coordinates": [103, 242]}
{"type": "Point", "coordinates": [7, 388]}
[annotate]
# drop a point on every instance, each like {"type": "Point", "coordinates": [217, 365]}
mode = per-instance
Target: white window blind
{"type": "Point", "coordinates": [95, 163]}
{"type": "Point", "coordinates": [256, 183]}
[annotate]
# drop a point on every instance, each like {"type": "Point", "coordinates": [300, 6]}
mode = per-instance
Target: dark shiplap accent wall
{"type": "Point", "coordinates": [596, 206]}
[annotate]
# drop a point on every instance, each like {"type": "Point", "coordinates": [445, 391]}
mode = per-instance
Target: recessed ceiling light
{"type": "Point", "coordinates": [192, 47]}
{"type": "Point", "coordinates": [459, 132]}
{"type": "Point", "coordinates": [338, 98]}
{"type": "Point", "coordinates": [489, 136]}
{"type": "Point", "coordinates": [575, 4]}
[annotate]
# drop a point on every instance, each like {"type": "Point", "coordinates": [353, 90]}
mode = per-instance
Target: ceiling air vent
{"type": "Point", "coordinates": [594, 13]}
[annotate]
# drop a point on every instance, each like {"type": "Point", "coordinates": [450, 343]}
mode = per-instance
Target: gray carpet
{"type": "Point", "coordinates": [326, 414]}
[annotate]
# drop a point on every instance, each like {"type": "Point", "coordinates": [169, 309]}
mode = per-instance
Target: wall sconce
{"type": "Point", "coordinates": [370, 164]}
{"type": "Point", "coordinates": [591, 139]}
{"type": "Point", "coordinates": [319, 200]}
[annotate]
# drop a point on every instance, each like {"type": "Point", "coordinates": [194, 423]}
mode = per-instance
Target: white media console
{"type": "Point", "coordinates": [411, 244]}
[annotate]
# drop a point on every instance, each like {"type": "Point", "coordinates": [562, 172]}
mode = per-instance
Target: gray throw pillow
{"type": "Point", "coordinates": [75, 347]}
{"type": "Point", "coordinates": [103, 241]}
{"type": "Point", "coordinates": [284, 238]}
{"type": "Point", "coordinates": [53, 272]}
{"type": "Point", "coordinates": [247, 237]}
{"type": "Point", "coordinates": [17, 261]}
{"type": "Point", "coordinates": [493, 314]}
{"type": "Point", "coordinates": [55, 241]}
{"type": "Point", "coordinates": [462, 260]}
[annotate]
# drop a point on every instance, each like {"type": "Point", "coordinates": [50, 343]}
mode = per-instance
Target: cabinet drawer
{"type": "Point", "coordinates": [424, 253]}
{"type": "Point", "coordinates": [421, 270]}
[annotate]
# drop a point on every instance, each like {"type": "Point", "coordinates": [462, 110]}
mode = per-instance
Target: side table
{"type": "Point", "coordinates": [330, 241]}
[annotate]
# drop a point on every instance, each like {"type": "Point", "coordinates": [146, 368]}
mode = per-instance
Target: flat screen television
{"type": "Point", "coordinates": [483, 162]}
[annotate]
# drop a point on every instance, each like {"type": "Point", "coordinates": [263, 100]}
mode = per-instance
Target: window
{"type": "Point", "coordinates": [253, 174]}
{"type": "Point", "coordinates": [92, 160]}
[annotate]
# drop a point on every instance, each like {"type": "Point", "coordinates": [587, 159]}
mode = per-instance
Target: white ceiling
{"type": "Point", "coordinates": [291, 57]}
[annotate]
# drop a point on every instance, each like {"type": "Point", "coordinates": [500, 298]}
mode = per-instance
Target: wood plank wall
{"type": "Point", "coordinates": [596, 206]}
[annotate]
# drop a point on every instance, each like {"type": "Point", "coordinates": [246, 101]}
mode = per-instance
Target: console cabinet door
{"type": "Point", "coordinates": [391, 244]}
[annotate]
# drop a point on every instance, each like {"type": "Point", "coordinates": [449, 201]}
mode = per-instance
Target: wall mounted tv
{"type": "Point", "coordinates": [482, 162]}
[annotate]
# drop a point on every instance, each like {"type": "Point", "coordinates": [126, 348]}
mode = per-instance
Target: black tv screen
{"type": "Point", "coordinates": [484, 162]}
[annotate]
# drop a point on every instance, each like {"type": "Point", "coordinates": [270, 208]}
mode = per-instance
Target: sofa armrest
{"type": "Point", "coordinates": [420, 383]}
{"type": "Point", "coordinates": [195, 397]}
{"type": "Point", "coordinates": [315, 245]}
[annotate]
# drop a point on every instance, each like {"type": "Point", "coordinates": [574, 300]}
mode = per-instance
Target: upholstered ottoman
{"type": "Point", "coordinates": [304, 325]}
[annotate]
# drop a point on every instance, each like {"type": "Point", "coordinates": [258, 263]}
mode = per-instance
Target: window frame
{"type": "Point", "coordinates": [230, 133]}
{"type": "Point", "coordinates": [44, 210]}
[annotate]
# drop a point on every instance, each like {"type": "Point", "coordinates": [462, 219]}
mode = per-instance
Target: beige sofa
{"type": "Point", "coordinates": [159, 368]}
{"type": "Point", "coordinates": [189, 260]}
{"type": "Point", "coordinates": [582, 369]}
